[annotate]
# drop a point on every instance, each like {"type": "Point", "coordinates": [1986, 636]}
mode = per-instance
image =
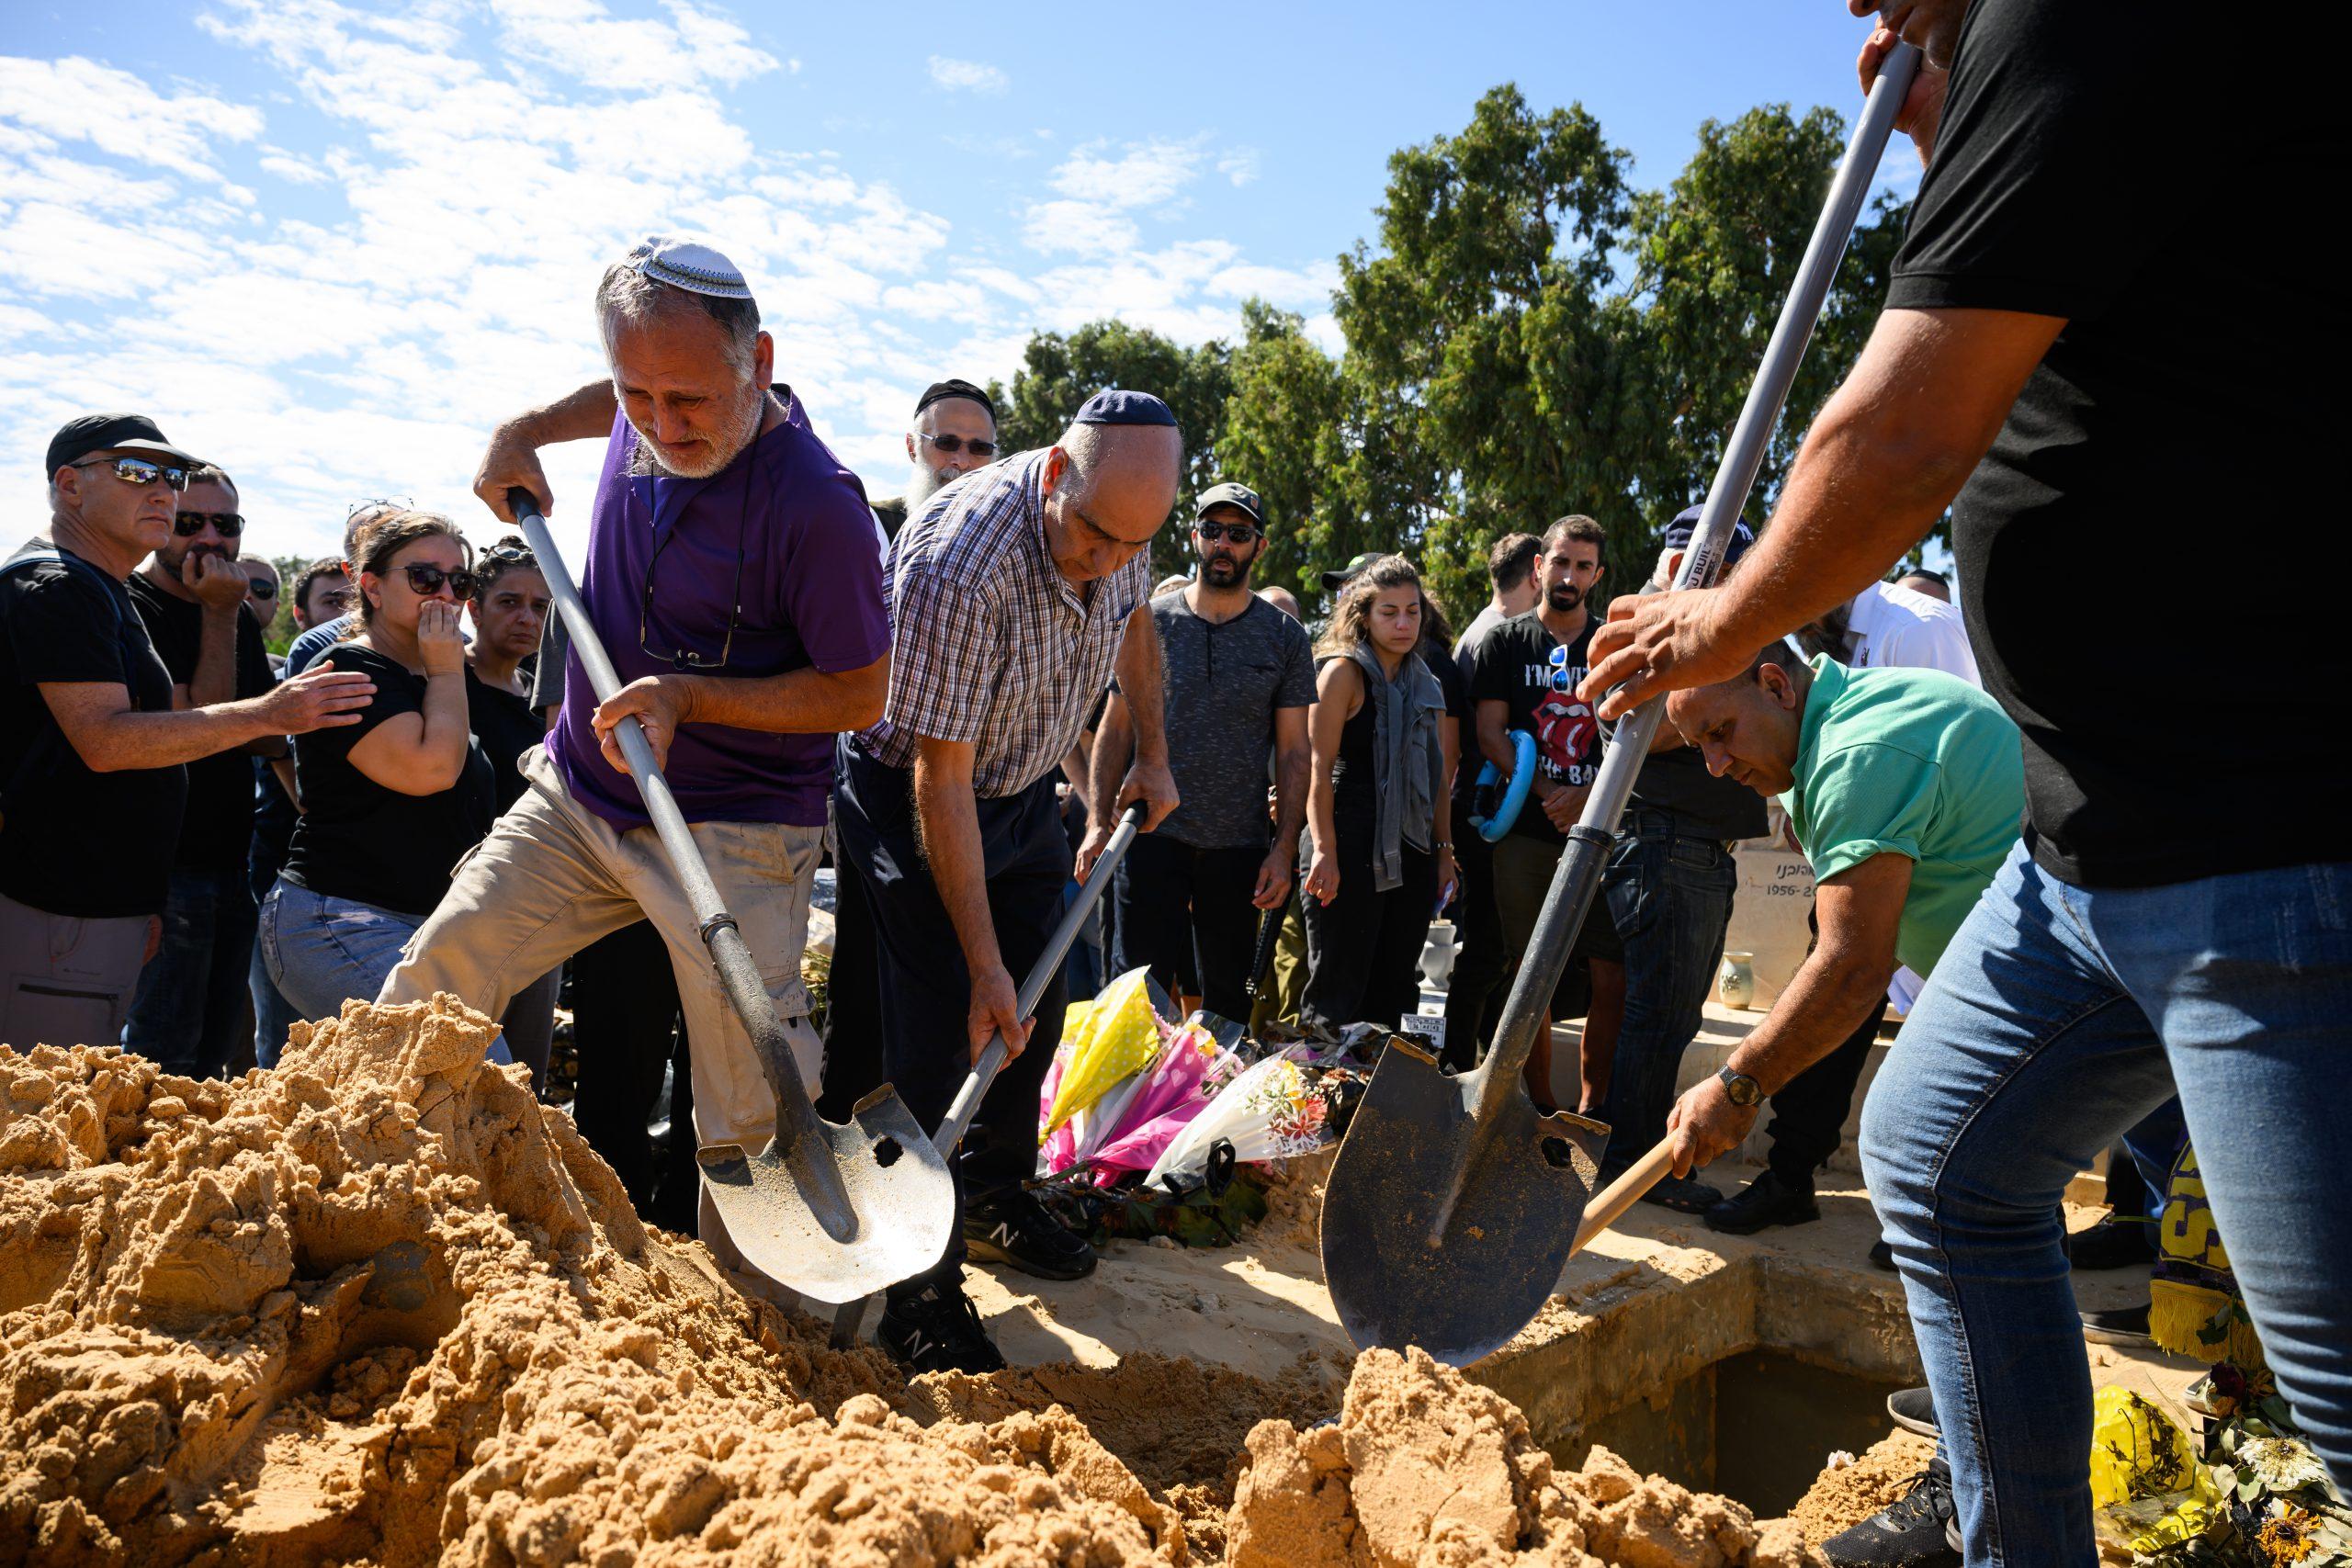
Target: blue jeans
{"type": "Point", "coordinates": [191, 996]}
{"type": "Point", "coordinates": [2058, 1018]}
{"type": "Point", "coordinates": [1669, 893]}
{"type": "Point", "coordinates": [273, 1014]}
{"type": "Point", "coordinates": [324, 951]}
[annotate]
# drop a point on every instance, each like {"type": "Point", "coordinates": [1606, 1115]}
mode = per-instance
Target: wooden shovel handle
{"type": "Point", "coordinates": [1622, 1194]}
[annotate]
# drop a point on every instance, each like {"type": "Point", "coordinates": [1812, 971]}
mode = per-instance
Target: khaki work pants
{"type": "Point", "coordinates": [553, 876]}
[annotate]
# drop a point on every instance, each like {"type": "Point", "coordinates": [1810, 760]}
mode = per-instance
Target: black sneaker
{"type": "Point", "coordinates": [1912, 1533]}
{"type": "Point", "coordinates": [937, 1329]}
{"type": "Point", "coordinates": [2111, 1243]}
{"type": "Point", "coordinates": [1770, 1200]}
{"type": "Point", "coordinates": [2121, 1325]}
{"type": "Point", "coordinates": [1684, 1195]}
{"type": "Point", "coordinates": [1012, 1227]}
{"type": "Point", "coordinates": [1913, 1410]}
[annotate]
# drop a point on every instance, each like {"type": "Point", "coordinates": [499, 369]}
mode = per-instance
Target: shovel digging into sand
{"type": "Point", "coordinates": [1454, 1205]}
{"type": "Point", "coordinates": [834, 1212]}
{"type": "Point", "coordinates": [849, 1316]}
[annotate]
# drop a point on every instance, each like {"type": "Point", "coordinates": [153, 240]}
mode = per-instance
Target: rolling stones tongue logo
{"type": "Point", "coordinates": [1565, 731]}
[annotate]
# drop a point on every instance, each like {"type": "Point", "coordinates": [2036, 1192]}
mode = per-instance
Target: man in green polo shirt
{"type": "Point", "coordinates": [1905, 788]}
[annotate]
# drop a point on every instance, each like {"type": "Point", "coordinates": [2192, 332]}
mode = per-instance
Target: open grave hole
{"type": "Point", "coordinates": [1741, 1379]}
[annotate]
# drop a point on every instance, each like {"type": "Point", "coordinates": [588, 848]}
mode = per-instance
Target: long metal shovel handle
{"type": "Point", "coordinates": [1090, 893]}
{"type": "Point", "coordinates": [739, 973]}
{"type": "Point", "coordinates": [1526, 1011]}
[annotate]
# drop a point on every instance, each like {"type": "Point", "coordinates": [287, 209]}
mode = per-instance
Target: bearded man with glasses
{"type": "Point", "coordinates": [96, 732]}
{"type": "Point", "coordinates": [732, 572]}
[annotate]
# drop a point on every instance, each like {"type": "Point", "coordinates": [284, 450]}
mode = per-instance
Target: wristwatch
{"type": "Point", "coordinates": [1743, 1089]}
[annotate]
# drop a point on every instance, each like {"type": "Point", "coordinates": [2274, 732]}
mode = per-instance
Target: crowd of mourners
{"type": "Point", "coordinates": [2081, 870]}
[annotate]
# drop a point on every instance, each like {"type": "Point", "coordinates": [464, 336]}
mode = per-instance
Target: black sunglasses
{"type": "Point", "coordinates": [263, 588]}
{"type": "Point", "coordinates": [1240, 533]}
{"type": "Point", "coordinates": [188, 525]}
{"type": "Point", "coordinates": [138, 472]}
{"type": "Point", "coordinates": [951, 445]}
{"type": "Point", "coordinates": [427, 579]}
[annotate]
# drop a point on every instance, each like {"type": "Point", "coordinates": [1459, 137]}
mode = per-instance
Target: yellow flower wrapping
{"type": "Point", "coordinates": [1119, 1037]}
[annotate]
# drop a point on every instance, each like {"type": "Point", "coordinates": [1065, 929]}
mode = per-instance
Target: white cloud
{"type": "Point", "coordinates": [1240, 165]}
{"type": "Point", "coordinates": [1146, 174]}
{"type": "Point", "coordinates": [1291, 287]}
{"type": "Point", "coordinates": [80, 100]}
{"type": "Point", "coordinates": [582, 38]}
{"type": "Point", "coordinates": [1080, 226]}
{"type": "Point", "coordinates": [437, 192]}
{"type": "Point", "coordinates": [966, 75]}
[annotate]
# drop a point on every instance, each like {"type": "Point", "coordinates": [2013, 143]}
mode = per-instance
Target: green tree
{"type": "Point", "coordinates": [1058, 373]}
{"type": "Point", "coordinates": [1530, 336]}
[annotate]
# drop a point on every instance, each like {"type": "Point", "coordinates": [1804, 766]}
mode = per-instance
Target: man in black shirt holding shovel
{"type": "Point", "coordinates": [2066, 353]}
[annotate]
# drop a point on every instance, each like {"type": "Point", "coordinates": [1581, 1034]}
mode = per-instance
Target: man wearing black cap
{"type": "Point", "coordinates": [1239, 677]}
{"type": "Point", "coordinates": [94, 739]}
{"type": "Point", "coordinates": [954, 433]}
{"type": "Point", "coordinates": [1012, 598]}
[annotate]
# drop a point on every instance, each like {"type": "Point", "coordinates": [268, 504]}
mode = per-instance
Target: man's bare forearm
{"type": "Point", "coordinates": [1882, 461]}
{"type": "Point", "coordinates": [1292, 766]}
{"type": "Point", "coordinates": [126, 739]}
{"type": "Point", "coordinates": [214, 680]}
{"type": "Point", "coordinates": [584, 415]}
{"type": "Point", "coordinates": [1826, 998]}
{"type": "Point", "coordinates": [947, 819]}
{"type": "Point", "coordinates": [799, 702]}
{"type": "Point", "coordinates": [1114, 748]}
{"type": "Point", "coordinates": [1139, 679]}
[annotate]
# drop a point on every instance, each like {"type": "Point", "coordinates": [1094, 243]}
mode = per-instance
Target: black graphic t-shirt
{"type": "Point", "coordinates": [1522, 666]}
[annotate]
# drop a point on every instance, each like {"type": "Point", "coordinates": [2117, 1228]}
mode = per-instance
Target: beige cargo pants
{"type": "Point", "coordinates": [553, 876]}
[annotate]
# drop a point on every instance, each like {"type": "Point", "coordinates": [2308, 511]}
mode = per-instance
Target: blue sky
{"type": "Point", "coordinates": [330, 244]}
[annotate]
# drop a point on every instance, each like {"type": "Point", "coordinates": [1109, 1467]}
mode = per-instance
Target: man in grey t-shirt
{"type": "Point", "coordinates": [1237, 675]}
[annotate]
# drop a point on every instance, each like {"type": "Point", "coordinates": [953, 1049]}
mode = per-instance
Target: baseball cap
{"type": "Point", "coordinates": [1230, 494]}
{"type": "Point", "coordinates": [77, 438]}
{"type": "Point", "coordinates": [1334, 578]}
{"type": "Point", "coordinates": [1686, 524]}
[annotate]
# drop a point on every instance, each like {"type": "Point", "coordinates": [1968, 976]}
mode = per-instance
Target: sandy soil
{"type": "Point", "coordinates": [1846, 1494]}
{"type": "Point", "coordinates": [380, 1306]}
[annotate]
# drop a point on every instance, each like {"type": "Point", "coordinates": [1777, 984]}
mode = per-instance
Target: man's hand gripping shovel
{"type": "Point", "coordinates": [1454, 1205]}
{"type": "Point", "coordinates": [832, 1211]}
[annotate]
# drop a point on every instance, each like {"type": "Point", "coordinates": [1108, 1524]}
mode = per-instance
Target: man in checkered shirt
{"type": "Point", "coordinates": [1014, 597]}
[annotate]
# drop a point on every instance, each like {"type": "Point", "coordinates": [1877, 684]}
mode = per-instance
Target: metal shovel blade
{"type": "Point", "coordinates": [901, 1202]}
{"type": "Point", "coordinates": [1413, 1258]}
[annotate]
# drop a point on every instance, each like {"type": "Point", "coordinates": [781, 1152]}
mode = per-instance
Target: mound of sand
{"type": "Point", "coordinates": [1845, 1496]}
{"type": "Point", "coordinates": [1427, 1469]}
{"type": "Point", "coordinates": [379, 1305]}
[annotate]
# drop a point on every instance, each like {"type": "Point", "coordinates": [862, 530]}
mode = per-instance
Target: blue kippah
{"type": "Point", "coordinates": [1117, 407]}
{"type": "Point", "coordinates": [1686, 524]}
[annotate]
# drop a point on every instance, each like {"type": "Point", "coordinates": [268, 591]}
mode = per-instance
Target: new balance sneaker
{"type": "Point", "coordinates": [1013, 1228]}
{"type": "Point", "coordinates": [1770, 1200]}
{"type": "Point", "coordinates": [937, 1329]}
{"type": "Point", "coordinates": [1914, 1532]}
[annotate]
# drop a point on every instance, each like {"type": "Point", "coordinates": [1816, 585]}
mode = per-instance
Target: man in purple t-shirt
{"type": "Point", "coordinates": [730, 571]}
